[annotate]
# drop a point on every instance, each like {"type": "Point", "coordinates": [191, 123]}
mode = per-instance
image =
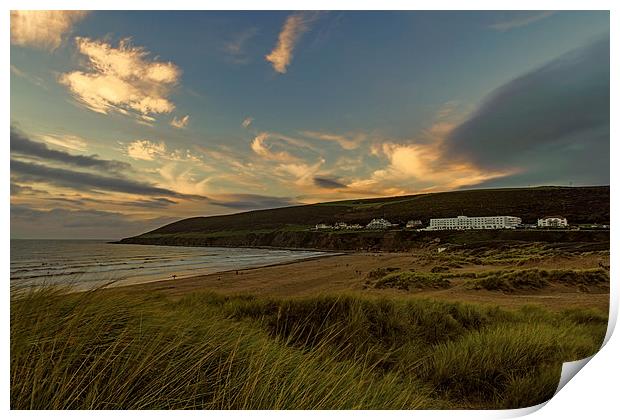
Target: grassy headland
{"type": "Point", "coordinates": [289, 227]}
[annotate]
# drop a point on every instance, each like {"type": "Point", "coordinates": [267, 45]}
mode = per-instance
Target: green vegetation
{"type": "Point", "coordinates": [527, 203]}
{"type": "Point", "coordinates": [409, 280]}
{"type": "Point", "coordinates": [111, 349]}
{"type": "Point", "coordinates": [508, 280]}
{"type": "Point", "coordinates": [510, 252]}
{"type": "Point", "coordinates": [533, 279]}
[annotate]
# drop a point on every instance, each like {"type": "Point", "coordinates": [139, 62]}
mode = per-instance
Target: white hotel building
{"type": "Point", "coordinates": [464, 222]}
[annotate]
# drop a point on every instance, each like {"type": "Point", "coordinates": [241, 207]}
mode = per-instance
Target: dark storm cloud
{"type": "Point", "coordinates": [22, 145]}
{"type": "Point", "coordinates": [59, 223]}
{"type": "Point", "coordinates": [84, 180]}
{"type": "Point", "coordinates": [550, 124]}
{"type": "Point", "coordinates": [17, 189]}
{"type": "Point", "coordinates": [252, 201]}
{"type": "Point", "coordinates": [328, 183]}
{"type": "Point", "coordinates": [153, 203]}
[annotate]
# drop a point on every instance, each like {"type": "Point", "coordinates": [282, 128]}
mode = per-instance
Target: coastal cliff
{"type": "Point", "coordinates": [292, 227]}
{"type": "Point", "coordinates": [401, 240]}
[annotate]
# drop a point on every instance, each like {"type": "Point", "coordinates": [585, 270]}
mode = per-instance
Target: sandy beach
{"type": "Point", "coordinates": [348, 272]}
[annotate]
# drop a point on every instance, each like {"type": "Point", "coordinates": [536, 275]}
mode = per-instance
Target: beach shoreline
{"type": "Point", "coordinates": [348, 273]}
{"type": "Point", "coordinates": [128, 283]}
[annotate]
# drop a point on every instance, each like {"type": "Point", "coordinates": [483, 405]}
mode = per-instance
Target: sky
{"type": "Point", "coordinates": [124, 121]}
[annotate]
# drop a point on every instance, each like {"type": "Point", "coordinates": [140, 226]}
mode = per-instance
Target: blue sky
{"type": "Point", "coordinates": [199, 113]}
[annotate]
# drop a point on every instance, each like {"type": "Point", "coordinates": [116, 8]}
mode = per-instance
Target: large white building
{"type": "Point", "coordinates": [464, 222]}
{"type": "Point", "coordinates": [553, 222]}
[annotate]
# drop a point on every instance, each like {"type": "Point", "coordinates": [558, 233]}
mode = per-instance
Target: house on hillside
{"type": "Point", "coordinates": [552, 222]}
{"type": "Point", "coordinates": [379, 224]}
{"type": "Point", "coordinates": [322, 226]}
{"type": "Point", "coordinates": [413, 224]}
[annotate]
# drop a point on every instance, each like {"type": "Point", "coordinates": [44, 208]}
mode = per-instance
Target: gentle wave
{"type": "Point", "coordinates": [93, 262]}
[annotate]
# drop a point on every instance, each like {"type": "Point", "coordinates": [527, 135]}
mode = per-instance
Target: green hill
{"type": "Point", "coordinates": [577, 204]}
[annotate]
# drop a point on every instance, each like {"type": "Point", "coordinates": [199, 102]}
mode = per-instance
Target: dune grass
{"type": "Point", "coordinates": [109, 349]}
{"type": "Point", "coordinates": [533, 279]}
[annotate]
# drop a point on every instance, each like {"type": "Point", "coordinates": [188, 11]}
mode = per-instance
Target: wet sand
{"type": "Point", "coordinates": [347, 273]}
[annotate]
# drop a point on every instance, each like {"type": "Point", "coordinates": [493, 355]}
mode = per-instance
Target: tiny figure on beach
{"type": "Point", "coordinates": [174, 277]}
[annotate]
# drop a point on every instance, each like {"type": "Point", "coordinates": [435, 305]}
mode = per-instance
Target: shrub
{"type": "Point", "coordinates": [380, 272]}
{"type": "Point", "coordinates": [407, 280]}
{"type": "Point", "coordinates": [535, 279]}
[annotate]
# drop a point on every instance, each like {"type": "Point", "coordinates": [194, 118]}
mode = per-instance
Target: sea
{"type": "Point", "coordinates": [86, 264]}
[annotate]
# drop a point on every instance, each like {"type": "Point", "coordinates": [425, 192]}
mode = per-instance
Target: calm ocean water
{"type": "Point", "coordinates": [89, 263]}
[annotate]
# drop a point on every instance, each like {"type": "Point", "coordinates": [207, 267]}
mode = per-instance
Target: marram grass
{"type": "Point", "coordinates": [114, 350]}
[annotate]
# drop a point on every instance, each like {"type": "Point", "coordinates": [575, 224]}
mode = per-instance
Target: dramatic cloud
{"type": "Point", "coordinates": [550, 121]}
{"type": "Point", "coordinates": [351, 142]}
{"type": "Point", "coordinates": [89, 181]}
{"type": "Point", "coordinates": [65, 141]}
{"type": "Point", "coordinates": [422, 167]}
{"type": "Point", "coordinates": [122, 79]}
{"type": "Point", "coordinates": [520, 20]}
{"type": "Point", "coordinates": [261, 147]}
{"type": "Point", "coordinates": [42, 29]}
{"type": "Point", "coordinates": [29, 222]}
{"type": "Point", "coordinates": [23, 146]}
{"type": "Point", "coordinates": [247, 122]}
{"type": "Point", "coordinates": [303, 174]}
{"type": "Point", "coordinates": [79, 200]}
{"type": "Point", "coordinates": [180, 122]}
{"type": "Point", "coordinates": [145, 150]}
{"type": "Point", "coordinates": [294, 27]}
{"type": "Point", "coordinates": [151, 151]}
{"type": "Point", "coordinates": [150, 203]}
{"type": "Point", "coordinates": [328, 183]}
{"type": "Point", "coordinates": [252, 201]}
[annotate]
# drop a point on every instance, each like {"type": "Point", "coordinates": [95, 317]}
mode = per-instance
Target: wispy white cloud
{"type": "Point", "coordinates": [32, 79]}
{"type": "Point", "coordinates": [122, 79]}
{"type": "Point", "coordinates": [42, 29]}
{"type": "Point", "coordinates": [236, 47]}
{"type": "Point", "coordinates": [303, 173]}
{"type": "Point", "coordinates": [66, 141]}
{"type": "Point", "coordinates": [180, 122]}
{"type": "Point", "coordinates": [160, 152]}
{"type": "Point", "coordinates": [183, 179]}
{"type": "Point", "coordinates": [294, 27]}
{"type": "Point", "coordinates": [247, 122]}
{"type": "Point", "coordinates": [145, 150]}
{"type": "Point", "coordinates": [520, 20]}
{"type": "Point", "coordinates": [262, 147]}
{"type": "Point", "coordinates": [347, 142]}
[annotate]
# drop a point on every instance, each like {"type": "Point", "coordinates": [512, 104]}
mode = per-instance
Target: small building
{"type": "Point", "coordinates": [379, 224]}
{"type": "Point", "coordinates": [413, 224]}
{"type": "Point", "coordinates": [485, 222]}
{"type": "Point", "coordinates": [341, 225]}
{"type": "Point", "coordinates": [552, 222]}
{"type": "Point", "coordinates": [322, 226]}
